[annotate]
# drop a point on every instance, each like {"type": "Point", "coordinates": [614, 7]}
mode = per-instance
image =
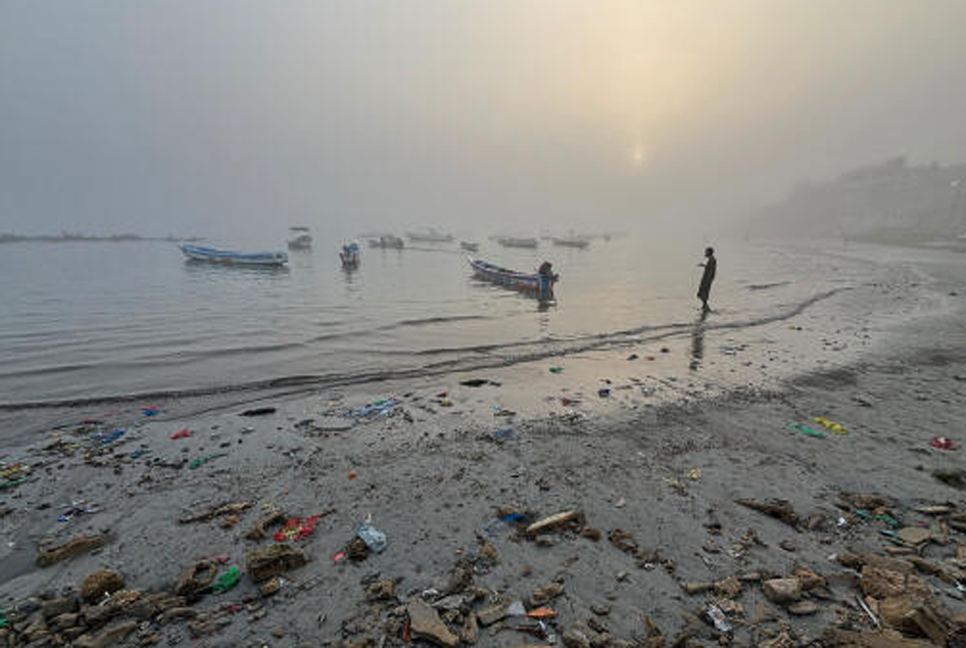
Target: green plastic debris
{"type": "Point", "coordinates": [808, 430]}
{"type": "Point", "coordinates": [201, 461]}
{"type": "Point", "coordinates": [556, 370]}
{"type": "Point", "coordinates": [882, 517]}
{"type": "Point", "coordinates": [227, 580]}
{"type": "Point", "coordinates": [3, 619]}
{"type": "Point", "coordinates": [10, 483]}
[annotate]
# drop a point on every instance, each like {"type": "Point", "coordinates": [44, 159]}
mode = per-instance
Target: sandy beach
{"type": "Point", "coordinates": [646, 440]}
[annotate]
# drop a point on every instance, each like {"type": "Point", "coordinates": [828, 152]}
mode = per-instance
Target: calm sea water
{"type": "Point", "coordinates": [95, 319]}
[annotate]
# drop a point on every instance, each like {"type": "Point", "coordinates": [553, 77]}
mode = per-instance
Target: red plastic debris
{"type": "Point", "coordinates": [181, 434]}
{"type": "Point", "coordinates": [297, 529]}
{"type": "Point", "coordinates": [339, 557]}
{"type": "Point", "coordinates": [943, 443]}
{"type": "Point", "coordinates": [442, 394]}
{"type": "Point", "coordinates": [407, 633]}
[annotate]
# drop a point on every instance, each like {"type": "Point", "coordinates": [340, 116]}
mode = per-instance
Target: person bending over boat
{"type": "Point", "coordinates": [710, 269]}
{"type": "Point", "coordinates": [547, 280]}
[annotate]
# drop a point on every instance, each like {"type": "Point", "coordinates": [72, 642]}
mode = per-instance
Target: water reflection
{"type": "Point", "coordinates": [697, 341]}
{"type": "Point", "coordinates": [197, 269]}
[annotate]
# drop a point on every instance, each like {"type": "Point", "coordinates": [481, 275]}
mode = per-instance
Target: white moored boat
{"type": "Point", "coordinates": [301, 238]}
{"type": "Point", "coordinates": [231, 257]}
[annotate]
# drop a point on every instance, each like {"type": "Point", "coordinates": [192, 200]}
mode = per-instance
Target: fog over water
{"type": "Point", "coordinates": [234, 119]}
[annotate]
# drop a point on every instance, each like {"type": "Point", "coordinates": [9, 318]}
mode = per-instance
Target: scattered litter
{"type": "Point", "coordinates": [694, 474]}
{"type": "Point", "coordinates": [552, 522]}
{"type": "Point", "coordinates": [807, 430]}
{"type": "Point", "coordinates": [297, 529]}
{"type": "Point", "coordinates": [516, 609]}
{"type": "Point", "coordinates": [943, 443]}
{"type": "Point", "coordinates": [374, 539]}
{"type": "Point", "coordinates": [4, 621]}
{"type": "Point", "coordinates": [152, 410]}
{"type": "Point", "coordinates": [556, 370]}
{"type": "Point", "coordinates": [77, 508]}
{"type": "Point", "coordinates": [106, 438]}
{"type": "Point", "coordinates": [381, 408]}
{"type": "Point", "coordinates": [258, 411]}
{"type": "Point", "coordinates": [838, 428]}
{"type": "Point", "coordinates": [719, 619]}
{"type": "Point", "coordinates": [882, 517]}
{"type": "Point", "coordinates": [201, 461]}
{"type": "Point", "coordinates": [181, 434]}
{"type": "Point", "coordinates": [603, 392]}
{"type": "Point", "coordinates": [567, 402]}
{"type": "Point", "coordinates": [137, 454]}
{"type": "Point", "coordinates": [728, 350]}
{"type": "Point", "coordinates": [504, 434]}
{"type": "Point", "coordinates": [11, 476]}
{"type": "Point", "coordinates": [353, 474]}
{"type": "Point", "coordinates": [542, 613]}
{"type": "Point", "coordinates": [227, 581]}
{"type": "Point", "coordinates": [339, 557]}
{"type": "Point", "coordinates": [633, 356]}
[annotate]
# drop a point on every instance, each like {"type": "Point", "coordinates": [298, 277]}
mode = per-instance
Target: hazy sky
{"type": "Point", "coordinates": [240, 117]}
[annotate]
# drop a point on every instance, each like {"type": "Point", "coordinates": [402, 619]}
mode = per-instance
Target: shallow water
{"type": "Point", "coordinates": [94, 319]}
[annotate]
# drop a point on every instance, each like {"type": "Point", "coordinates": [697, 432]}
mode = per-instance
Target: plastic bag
{"type": "Point", "coordinates": [227, 581]}
{"type": "Point", "coordinates": [374, 538]}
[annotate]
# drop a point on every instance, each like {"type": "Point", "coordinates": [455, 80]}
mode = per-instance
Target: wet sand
{"type": "Point", "coordinates": [682, 432]}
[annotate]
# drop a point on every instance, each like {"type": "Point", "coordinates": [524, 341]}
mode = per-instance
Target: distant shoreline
{"type": "Point", "coordinates": [82, 238]}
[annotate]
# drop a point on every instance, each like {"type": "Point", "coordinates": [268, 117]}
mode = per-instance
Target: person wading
{"type": "Point", "coordinates": [710, 268]}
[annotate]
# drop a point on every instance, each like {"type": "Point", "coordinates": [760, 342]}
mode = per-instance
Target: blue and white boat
{"type": "Point", "coordinates": [230, 257]}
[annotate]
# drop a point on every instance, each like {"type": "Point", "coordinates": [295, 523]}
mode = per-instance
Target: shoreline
{"type": "Point", "coordinates": [432, 475]}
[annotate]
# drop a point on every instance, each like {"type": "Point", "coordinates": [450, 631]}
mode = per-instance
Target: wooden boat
{"type": "Point", "coordinates": [350, 255]}
{"type": "Point", "coordinates": [387, 242]}
{"type": "Point", "coordinates": [514, 242]}
{"type": "Point", "coordinates": [230, 257]}
{"type": "Point", "coordinates": [526, 282]}
{"type": "Point", "coordinates": [301, 239]}
{"type": "Point", "coordinates": [429, 236]}
{"type": "Point", "coordinates": [572, 241]}
{"type": "Point", "coordinates": [470, 247]}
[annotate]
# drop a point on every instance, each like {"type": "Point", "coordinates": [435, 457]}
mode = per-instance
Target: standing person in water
{"type": "Point", "coordinates": [710, 268]}
{"type": "Point", "coordinates": [547, 279]}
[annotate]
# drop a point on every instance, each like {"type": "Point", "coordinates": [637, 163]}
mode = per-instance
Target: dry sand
{"type": "Point", "coordinates": [683, 434]}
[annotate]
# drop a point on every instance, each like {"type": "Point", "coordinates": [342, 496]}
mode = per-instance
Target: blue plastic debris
{"type": "Point", "coordinates": [374, 538]}
{"type": "Point", "coordinates": [505, 434]}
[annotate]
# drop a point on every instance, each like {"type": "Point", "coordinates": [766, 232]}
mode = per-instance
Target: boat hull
{"type": "Point", "coordinates": [522, 281]}
{"type": "Point", "coordinates": [572, 243]}
{"type": "Point", "coordinates": [233, 258]}
{"type": "Point", "coordinates": [528, 243]}
{"type": "Point", "coordinates": [416, 237]}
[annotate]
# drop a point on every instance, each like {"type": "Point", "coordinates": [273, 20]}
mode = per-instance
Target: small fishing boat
{"type": "Point", "coordinates": [470, 247]}
{"type": "Point", "coordinates": [572, 241]}
{"type": "Point", "coordinates": [527, 282]}
{"type": "Point", "coordinates": [230, 257]}
{"type": "Point", "coordinates": [387, 242]}
{"type": "Point", "coordinates": [429, 236]}
{"type": "Point", "coordinates": [350, 255]}
{"type": "Point", "coordinates": [301, 239]}
{"type": "Point", "coordinates": [514, 242]}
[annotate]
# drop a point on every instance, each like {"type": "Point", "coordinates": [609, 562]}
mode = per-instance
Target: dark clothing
{"type": "Point", "coordinates": [710, 267]}
{"type": "Point", "coordinates": [547, 279]}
